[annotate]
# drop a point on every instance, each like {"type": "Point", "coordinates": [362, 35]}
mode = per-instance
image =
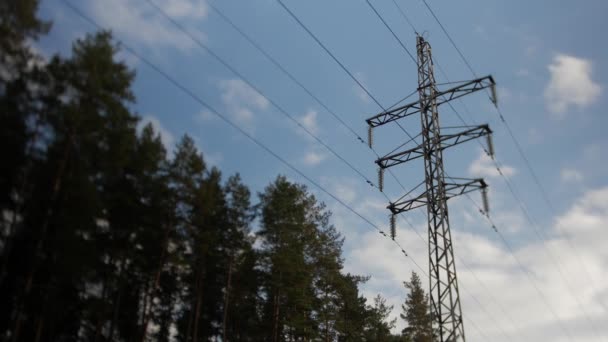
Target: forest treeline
{"type": "Point", "coordinates": [106, 236]}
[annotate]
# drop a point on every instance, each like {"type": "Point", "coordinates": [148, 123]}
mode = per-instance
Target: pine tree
{"type": "Point", "coordinates": [286, 229]}
{"type": "Point", "coordinates": [105, 237]}
{"type": "Point", "coordinates": [352, 311]}
{"type": "Point", "coordinates": [379, 326]}
{"type": "Point", "coordinates": [416, 312]}
{"type": "Point", "coordinates": [240, 307]}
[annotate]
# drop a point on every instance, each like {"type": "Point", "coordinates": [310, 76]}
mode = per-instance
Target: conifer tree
{"type": "Point", "coordinates": [107, 237]}
{"type": "Point", "coordinates": [416, 312]}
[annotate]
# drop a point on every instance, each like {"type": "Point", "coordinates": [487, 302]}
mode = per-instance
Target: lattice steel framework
{"type": "Point", "coordinates": [443, 283]}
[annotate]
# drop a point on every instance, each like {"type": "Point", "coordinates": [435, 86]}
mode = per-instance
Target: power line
{"type": "Point", "coordinates": [520, 150]}
{"type": "Point", "coordinates": [234, 125]}
{"type": "Point", "coordinates": [535, 178]}
{"type": "Point", "coordinates": [329, 53]}
{"type": "Point", "coordinates": [404, 16]}
{"type": "Point", "coordinates": [519, 263]}
{"type": "Point", "coordinates": [259, 91]}
{"type": "Point", "coordinates": [273, 60]}
{"type": "Point", "coordinates": [449, 37]}
{"type": "Point", "coordinates": [351, 75]}
{"type": "Point", "coordinates": [242, 131]}
{"type": "Point", "coordinates": [301, 85]}
{"type": "Point", "coordinates": [342, 65]}
{"type": "Point", "coordinates": [391, 30]}
{"type": "Point", "coordinates": [458, 114]}
{"type": "Point", "coordinates": [313, 36]}
{"type": "Point", "coordinates": [497, 167]}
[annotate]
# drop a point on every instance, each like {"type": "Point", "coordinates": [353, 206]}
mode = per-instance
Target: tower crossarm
{"type": "Point", "coordinates": [441, 97]}
{"type": "Point", "coordinates": [460, 186]}
{"type": "Point", "coordinates": [444, 296]}
{"type": "Point", "coordinates": [445, 141]}
{"type": "Point", "coordinates": [453, 187]}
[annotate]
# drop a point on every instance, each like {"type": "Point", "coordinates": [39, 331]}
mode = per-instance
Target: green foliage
{"type": "Point", "coordinates": [108, 237]}
{"type": "Point", "coordinates": [416, 312]}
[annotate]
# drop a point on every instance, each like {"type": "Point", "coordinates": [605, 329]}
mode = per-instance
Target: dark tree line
{"type": "Point", "coordinates": [107, 237]}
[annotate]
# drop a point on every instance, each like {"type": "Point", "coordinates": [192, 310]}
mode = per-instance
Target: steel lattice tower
{"type": "Point", "coordinates": [445, 299]}
{"type": "Point", "coordinates": [443, 282]}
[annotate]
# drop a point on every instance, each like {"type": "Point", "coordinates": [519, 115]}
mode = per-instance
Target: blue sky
{"type": "Point", "coordinates": [547, 58]}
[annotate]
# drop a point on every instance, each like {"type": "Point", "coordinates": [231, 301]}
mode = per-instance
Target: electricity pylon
{"type": "Point", "coordinates": [443, 288]}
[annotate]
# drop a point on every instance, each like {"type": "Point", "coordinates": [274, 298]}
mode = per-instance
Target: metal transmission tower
{"type": "Point", "coordinates": [444, 293]}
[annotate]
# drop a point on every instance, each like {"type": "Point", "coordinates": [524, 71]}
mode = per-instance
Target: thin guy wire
{"type": "Point", "coordinates": [409, 54]}
{"type": "Point", "coordinates": [497, 165]}
{"type": "Point", "coordinates": [450, 38]}
{"type": "Point", "coordinates": [273, 60]}
{"type": "Point", "coordinates": [329, 52]}
{"type": "Point", "coordinates": [301, 85]}
{"type": "Point", "coordinates": [521, 266]}
{"type": "Point", "coordinates": [405, 16]}
{"type": "Point", "coordinates": [290, 75]}
{"type": "Point", "coordinates": [470, 270]}
{"type": "Point", "coordinates": [403, 99]}
{"type": "Point", "coordinates": [313, 36]}
{"type": "Point", "coordinates": [242, 131]}
{"type": "Point", "coordinates": [259, 91]}
{"type": "Point", "coordinates": [316, 98]}
{"type": "Point", "coordinates": [526, 162]}
{"type": "Point", "coordinates": [391, 30]}
{"type": "Point", "coordinates": [520, 150]}
{"type": "Point", "coordinates": [341, 65]}
{"type": "Point", "coordinates": [234, 125]}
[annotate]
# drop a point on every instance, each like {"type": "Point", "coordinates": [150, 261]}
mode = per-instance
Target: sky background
{"type": "Point", "coordinates": [548, 58]}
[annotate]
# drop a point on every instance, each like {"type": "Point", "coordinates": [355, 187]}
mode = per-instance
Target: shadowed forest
{"type": "Point", "coordinates": [106, 236]}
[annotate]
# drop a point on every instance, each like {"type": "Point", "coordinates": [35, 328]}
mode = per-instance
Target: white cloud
{"type": "Point", "coordinates": [570, 85]}
{"type": "Point", "coordinates": [140, 23]}
{"type": "Point", "coordinates": [241, 100]}
{"type": "Point", "coordinates": [484, 167]}
{"type": "Point", "coordinates": [309, 121]}
{"type": "Point", "coordinates": [204, 116]}
{"type": "Point", "coordinates": [571, 175]}
{"type": "Point", "coordinates": [509, 300]}
{"type": "Point", "coordinates": [165, 135]}
{"type": "Point", "coordinates": [186, 8]}
{"type": "Point", "coordinates": [344, 188]}
{"type": "Point", "coordinates": [313, 158]}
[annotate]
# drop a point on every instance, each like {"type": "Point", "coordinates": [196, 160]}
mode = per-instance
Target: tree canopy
{"type": "Point", "coordinates": [107, 236]}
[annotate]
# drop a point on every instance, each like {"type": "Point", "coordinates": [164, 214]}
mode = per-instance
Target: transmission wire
{"type": "Point", "coordinates": [234, 125]}
{"type": "Point", "coordinates": [520, 150]}
{"type": "Point", "coordinates": [344, 68]}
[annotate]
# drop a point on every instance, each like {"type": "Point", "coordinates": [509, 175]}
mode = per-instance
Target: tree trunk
{"type": "Point", "coordinates": [145, 296]}
{"type": "Point", "coordinates": [20, 203]}
{"type": "Point", "coordinates": [226, 298]}
{"type": "Point", "coordinates": [149, 295]}
{"type": "Point", "coordinates": [116, 310]}
{"type": "Point", "coordinates": [199, 299]}
{"type": "Point", "coordinates": [275, 326]}
{"type": "Point", "coordinates": [104, 294]}
{"type": "Point", "coordinates": [39, 327]}
{"type": "Point", "coordinates": [39, 244]}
